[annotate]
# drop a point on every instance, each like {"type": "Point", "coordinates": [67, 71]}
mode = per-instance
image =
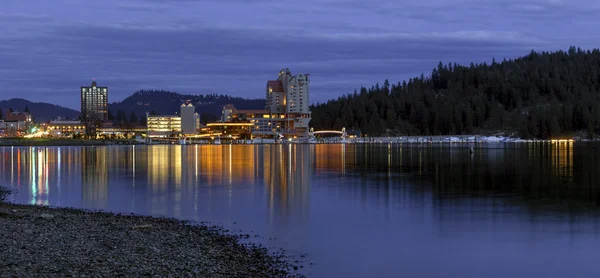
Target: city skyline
{"type": "Point", "coordinates": [198, 47]}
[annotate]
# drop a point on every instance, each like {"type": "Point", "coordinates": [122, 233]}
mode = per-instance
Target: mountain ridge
{"type": "Point", "coordinates": [152, 101]}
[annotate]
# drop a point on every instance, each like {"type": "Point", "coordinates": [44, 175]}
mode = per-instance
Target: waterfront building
{"type": "Point", "coordinates": [63, 128]}
{"type": "Point", "coordinates": [288, 103]}
{"type": "Point", "coordinates": [231, 130]}
{"type": "Point", "coordinates": [286, 110]}
{"type": "Point", "coordinates": [121, 132]}
{"type": "Point", "coordinates": [163, 125]}
{"type": "Point", "coordinates": [94, 106]}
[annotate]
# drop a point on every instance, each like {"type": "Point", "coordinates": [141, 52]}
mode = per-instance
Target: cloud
{"type": "Point", "coordinates": [48, 50]}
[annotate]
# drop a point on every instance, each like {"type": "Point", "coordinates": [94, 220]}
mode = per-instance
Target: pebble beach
{"type": "Point", "coordinates": [61, 242]}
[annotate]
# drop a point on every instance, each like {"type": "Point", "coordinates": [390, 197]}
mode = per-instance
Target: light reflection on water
{"type": "Point", "coordinates": [357, 210]}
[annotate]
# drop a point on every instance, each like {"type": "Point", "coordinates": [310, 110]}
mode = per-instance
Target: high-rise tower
{"type": "Point", "coordinates": [94, 106]}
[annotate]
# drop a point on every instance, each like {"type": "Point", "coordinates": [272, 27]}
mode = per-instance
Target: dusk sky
{"type": "Point", "coordinates": [48, 49]}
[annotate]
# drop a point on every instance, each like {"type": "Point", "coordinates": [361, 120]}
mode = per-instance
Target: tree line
{"type": "Point", "coordinates": [541, 95]}
{"type": "Point", "coordinates": [122, 120]}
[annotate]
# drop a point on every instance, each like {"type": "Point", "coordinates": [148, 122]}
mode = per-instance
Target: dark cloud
{"type": "Point", "coordinates": [233, 47]}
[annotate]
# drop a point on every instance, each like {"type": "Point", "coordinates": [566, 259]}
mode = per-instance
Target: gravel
{"type": "Point", "coordinates": [59, 242]}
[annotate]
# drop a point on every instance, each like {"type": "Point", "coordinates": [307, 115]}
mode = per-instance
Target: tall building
{"type": "Point", "coordinates": [276, 98]}
{"type": "Point", "coordinates": [288, 103]}
{"type": "Point", "coordinates": [94, 105]}
{"type": "Point", "coordinates": [189, 118]}
{"type": "Point", "coordinates": [286, 111]}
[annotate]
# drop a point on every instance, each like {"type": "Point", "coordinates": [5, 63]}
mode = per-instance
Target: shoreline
{"type": "Point", "coordinates": [409, 140]}
{"type": "Point", "coordinates": [58, 242]}
{"type": "Point", "coordinates": [61, 142]}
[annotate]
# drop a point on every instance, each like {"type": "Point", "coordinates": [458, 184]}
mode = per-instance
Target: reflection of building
{"type": "Point", "coordinates": [286, 109]}
{"type": "Point", "coordinates": [94, 105]}
{"type": "Point", "coordinates": [287, 172]}
{"type": "Point", "coordinates": [562, 158]}
{"type": "Point", "coordinates": [94, 175]}
{"type": "Point", "coordinates": [164, 167]}
{"type": "Point", "coordinates": [163, 126]}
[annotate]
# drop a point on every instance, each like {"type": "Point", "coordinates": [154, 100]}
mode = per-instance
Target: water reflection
{"type": "Point", "coordinates": [94, 176]}
{"type": "Point", "coordinates": [336, 199]}
{"type": "Point", "coordinates": [169, 174]}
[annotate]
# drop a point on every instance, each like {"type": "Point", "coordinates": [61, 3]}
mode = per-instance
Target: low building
{"type": "Point", "coordinates": [268, 124]}
{"type": "Point", "coordinates": [63, 128]}
{"type": "Point", "coordinates": [12, 128]}
{"type": "Point", "coordinates": [233, 130]}
{"type": "Point", "coordinates": [109, 131]}
{"type": "Point", "coordinates": [163, 125]}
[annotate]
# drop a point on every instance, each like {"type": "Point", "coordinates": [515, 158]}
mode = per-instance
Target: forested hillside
{"type": "Point", "coordinates": [540, 95]}
{"type": "Point", "coordinates": [39, 111]}
{"type": "Point", "coordinates": [133, 108]}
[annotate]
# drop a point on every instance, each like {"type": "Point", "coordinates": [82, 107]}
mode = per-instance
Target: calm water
{"type": "Point", "coordinates": [356, 210]}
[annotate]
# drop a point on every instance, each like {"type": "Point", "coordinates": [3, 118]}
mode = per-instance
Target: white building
{"type": "Point", "coordinates": [190, 121]}
{"type": "Point", "coordinates": [187, 123]}
{"type": "Point", "coordinates": [297, 91]}
{"type": "Point", "coordinates": [288, 103]}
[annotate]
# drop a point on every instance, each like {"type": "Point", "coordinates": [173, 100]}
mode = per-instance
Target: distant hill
{"type": "Point", "coordinates": [39, 110]}
{"type": "Point", "coordinates": [168, 103]}
{"type": "Point", "coordinates": [541, 95]}
{"type": "Point", "coordinates": [158, 101]}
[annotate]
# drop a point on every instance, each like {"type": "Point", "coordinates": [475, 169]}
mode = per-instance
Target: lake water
{"type": "Point", "coordinates": [527, 210]}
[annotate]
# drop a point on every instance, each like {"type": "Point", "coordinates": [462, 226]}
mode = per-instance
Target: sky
{"type": "Point", "coordinates": [48, 49]}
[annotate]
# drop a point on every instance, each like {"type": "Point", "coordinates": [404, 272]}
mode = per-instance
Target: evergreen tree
{"type": "Point", "coordinates": [1, 114]}
{"type": "Point", "coordinates": [26, 109]}
{"type": "Point", "coordinates": [133, 119]}
{"type": "Point", "coordinates": [143, 120]}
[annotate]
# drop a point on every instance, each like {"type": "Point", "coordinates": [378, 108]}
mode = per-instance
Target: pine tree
{"type": "Point", "coordinates": [143, 120]}
{"type": "Point", "coordinates": [26, 109]}
{"type": "Point", "coordinates": [133, 118]}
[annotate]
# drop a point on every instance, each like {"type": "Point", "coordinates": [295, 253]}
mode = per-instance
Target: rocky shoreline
{"type": "Point", "coordinates": [61, 242]}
